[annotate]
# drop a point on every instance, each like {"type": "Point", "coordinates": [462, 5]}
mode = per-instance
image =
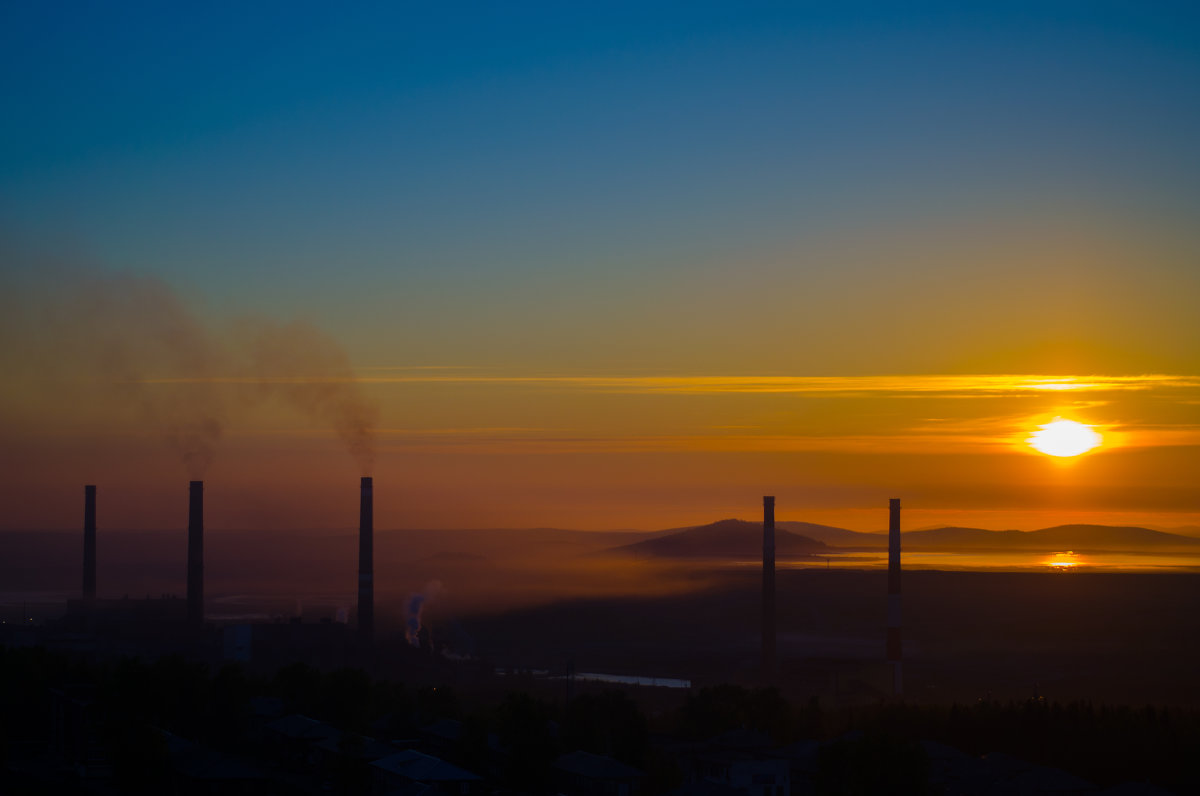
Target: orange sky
{"type": "Point", "coordinates": [602, 267]}
{"type": "Point", "coordinates": [457, 447]}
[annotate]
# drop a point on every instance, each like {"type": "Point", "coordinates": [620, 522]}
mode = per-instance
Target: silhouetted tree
{"type": "Point", "coordinates": [297, 685]}
{"type": "Point", "coordinates": [874, 763]}
{"type": "Point", "coordinates": [344, 699]}
{"type": "Point", "coordinates": [140, 760]}
{"type": "Point", "coordinates": [608, 724]}
{"type": "Point", "coordinates": [808, 722]}
{"type": "Point", "coordinates": [523, 727]}
{"type": "Point", "coordinates": [472, 751]}
{"type": "Point", "coordinates": [351, 775]}
{"type": "Point", "coordinates": [721, 708]}
{"type": "Point", "coordinates": [436, 702]}
{"type": "Point", "coordinates": [231, 692]}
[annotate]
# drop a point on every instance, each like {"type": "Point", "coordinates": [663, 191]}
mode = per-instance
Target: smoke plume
{"type": "Point", "coordinates": [415, 608]}
{"type": "Point", "coordinates": [306, 369]}
{"type": "Point", "coordinates": [98, 345]}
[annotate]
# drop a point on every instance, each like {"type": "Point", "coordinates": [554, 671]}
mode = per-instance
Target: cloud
{"type": "Point", "coordinates": [948, 385]}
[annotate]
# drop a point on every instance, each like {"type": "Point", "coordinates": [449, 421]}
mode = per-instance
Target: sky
{"type": "Point", "coordinates": [611, 265]}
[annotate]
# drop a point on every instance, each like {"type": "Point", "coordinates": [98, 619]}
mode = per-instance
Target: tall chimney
{"type": "Point", "coordinates": [89, 543]}
{"type": "Point", "coordinates": [893, 600]}
{"type": "Point", "coordinates": [768, 589]}
{"type": "Point", "coordinates": [195, 554]}
{"type": "Point", "coordinates": [366, 560]}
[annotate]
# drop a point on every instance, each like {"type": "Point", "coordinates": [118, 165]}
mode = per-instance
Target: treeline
{"type": "Point", "coordinates": [1103, 744]}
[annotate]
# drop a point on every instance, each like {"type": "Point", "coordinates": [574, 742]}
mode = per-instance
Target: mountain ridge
{"type": "Point", "coordinates": [736, 538]}
{"type": "Point", "coordinates": [728, 538]}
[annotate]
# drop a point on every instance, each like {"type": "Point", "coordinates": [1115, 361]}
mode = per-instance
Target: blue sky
{"type": "Point", "coordinates": [691, 189]}
{"type": "Point", "coordinates": [302, 158]}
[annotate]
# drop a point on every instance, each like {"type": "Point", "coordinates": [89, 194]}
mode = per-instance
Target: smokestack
{"type": "Point", "coordinates": [89, 543]}
{"type": "Point", "coordinates": [893, 603]}
{"type": "Point", "coordinates": [768, 589]}
{"type": "Point", "coordinates": [195, 554]}
{"type": "Point", "coordinates": [366, 562]}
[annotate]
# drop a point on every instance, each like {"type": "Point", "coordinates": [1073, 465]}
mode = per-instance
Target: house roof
{"type": "Point", "coordinates": [412, 789]}
{"type": "Point", "coordinates": [419, 767]}
{"type": "Point", "coordinates": [266, 707]}
{"type": "Point", "coordinates": [449, 729]}
{"type": "Point", "coordinates": [452, 730]}
{"type": "Point", "coordinates": [801, 755]}
{"type": "Point", "coordinates": [742, 738]}
{"type": "Point", "coordinates": [1135, 789]}
{"type": "Point", "coordinates": [594, 766]}
{"type": "Point", "coordinates": [707, 787]}
{"type": "Point", "coordinates": [199, 762]}
{"type": "Point", "coordinates": [370, 749]}
{"type": "Point", "coordinates": [302, 728]}
{"type": "Point", "coordinates": [1023, 776]}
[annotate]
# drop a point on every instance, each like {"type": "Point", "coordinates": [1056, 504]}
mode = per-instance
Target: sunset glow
{"type": "Point", "coordinates": [1064, 438]}
{"type": "Point", "coordinates": [1063, 562]}
{"type": "Point", "coordinates": [674, 395]}
{"type": "Point", "coordinates": [539, 266]}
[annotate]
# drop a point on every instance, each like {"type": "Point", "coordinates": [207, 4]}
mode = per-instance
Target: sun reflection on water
{"type": "Point", "coordinates": [1063, 562]}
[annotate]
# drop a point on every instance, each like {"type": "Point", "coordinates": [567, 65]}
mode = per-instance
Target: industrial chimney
{"type": "Point", "coordinates": [893, 600]}
{"type": "Point", "coordinates": [89, 543]}
{"type": "Point", "coordinates": [366, 561]}
{"type": "Point", "coordinates": [195, 554]}
{"type": "Point", "coordinates": [768, 590]}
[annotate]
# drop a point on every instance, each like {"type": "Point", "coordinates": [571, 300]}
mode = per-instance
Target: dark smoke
{"type": "Point", "coordinates": [112, 333]}
{"type": "Point", "coordinates": [302, 366]}
{"type": "Point", "coordinates": [103, 344]}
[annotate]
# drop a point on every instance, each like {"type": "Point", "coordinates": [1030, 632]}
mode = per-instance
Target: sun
{"type": "Point", "coordinates": [1064, 438]}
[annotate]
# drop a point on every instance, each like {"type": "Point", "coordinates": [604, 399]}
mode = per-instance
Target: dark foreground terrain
{"type": "Point", "coordinates": [1113, 638]}
{"type": "Point", "coordinates": [1014, 682]}
{"type": "Point", "coordinates": [176, 726]}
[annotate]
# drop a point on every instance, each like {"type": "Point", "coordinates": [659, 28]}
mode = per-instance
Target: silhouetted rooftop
{"type": "Point", "coordinates": [300, 727]}
{"type": "Point", "coordinates": [420, 767]}
{"type": "Point", "coordinates": [593, 766]}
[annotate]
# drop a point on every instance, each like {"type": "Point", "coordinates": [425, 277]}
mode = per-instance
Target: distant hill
{"type": "Point", "coordinates": [832, 535]}
{"type": "Point", "coordinates": [1182, 530]}
{"type": "Point", "coordinates": [956, 538]}
{"type": "Point", "coordinates": [1073, 537]}
{"type": "Point", "coordinates": [1113, 537]}
{"type": "Point", "coordinates": [743, 539]}
{"type": "Point", "coordinates": [724, 539]}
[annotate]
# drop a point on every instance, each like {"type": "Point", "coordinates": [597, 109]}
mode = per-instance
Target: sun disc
{"type": "Point", "coordinates": [1064, 438]}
